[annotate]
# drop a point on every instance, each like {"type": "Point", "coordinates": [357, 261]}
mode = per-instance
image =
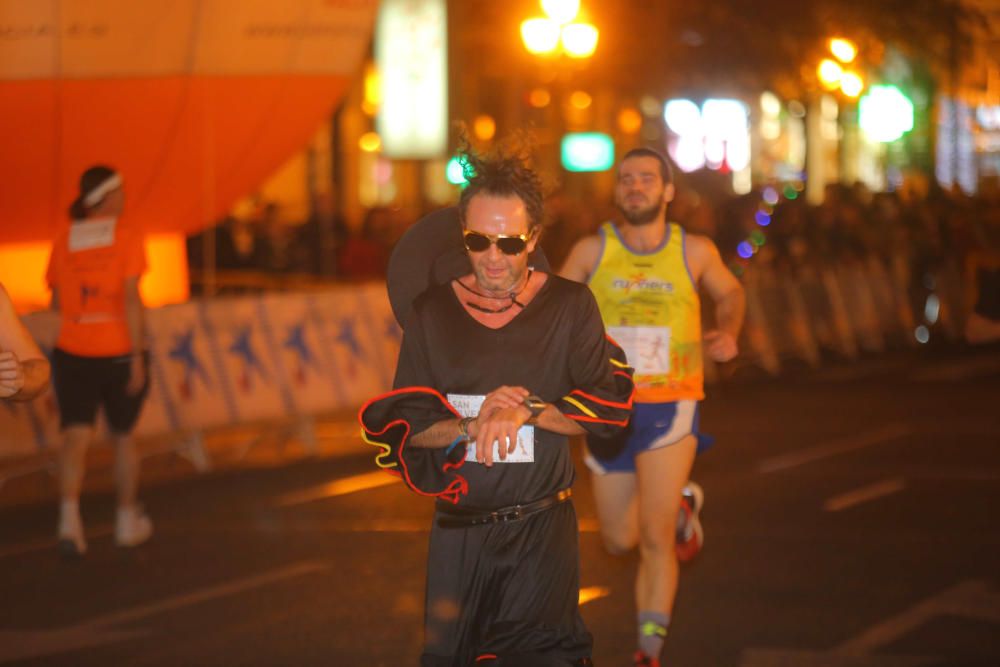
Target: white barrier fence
{"type": "Point", "coordinates": [234, 360]}
{"type": "Point", "coordinates": [295, 354]}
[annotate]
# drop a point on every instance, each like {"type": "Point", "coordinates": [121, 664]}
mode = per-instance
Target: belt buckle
{"type": "Point", "coordinates": [514, 515]}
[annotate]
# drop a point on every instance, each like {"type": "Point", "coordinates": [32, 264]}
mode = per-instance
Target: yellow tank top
{"type": "Point", "coordinates": [651, 308]}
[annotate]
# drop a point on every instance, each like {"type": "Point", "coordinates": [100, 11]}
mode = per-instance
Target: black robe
{"type": "Point", "coordinates": [506, 589]}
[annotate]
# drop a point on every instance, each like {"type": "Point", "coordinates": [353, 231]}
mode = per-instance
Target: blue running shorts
{"type": "Point", "coordinates": [653, 425]}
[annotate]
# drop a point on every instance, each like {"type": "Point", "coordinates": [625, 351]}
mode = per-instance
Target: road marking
{"type": "Point", "coordinates": [842, 446]}
{"type": "Point", "coordinates": [97, 631]}
{"type": "Point", "coordinates": [591, 593]}
{"type": "Point", "coordinates": [970, 599]}
{"type": "Point", "coordinates": [864, 494]}
{"type": "Point", "coordinates": [50, 543]}
{"type": "Point", "coordinates": [340, 487]}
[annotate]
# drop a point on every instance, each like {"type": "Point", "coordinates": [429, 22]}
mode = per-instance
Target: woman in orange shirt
{"type": "Point", "coordinates": [99, 360]}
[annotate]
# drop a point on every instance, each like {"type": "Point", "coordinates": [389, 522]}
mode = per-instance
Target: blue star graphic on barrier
{"type": "Point", "coordinates": [348, 338]}
{"type": "Point", "coordinates": [243, 348]}
{"type": "Point", "coordinates": [183, 352]}
{"type": "Point", "coordinates": [296, 342]}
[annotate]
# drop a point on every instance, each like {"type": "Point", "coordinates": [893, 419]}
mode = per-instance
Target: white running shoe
{"type": "Point", "coordinates": [132, 526]}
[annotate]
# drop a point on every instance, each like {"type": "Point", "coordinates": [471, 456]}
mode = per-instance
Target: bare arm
{"type": "Point", "coordinates": [582, 259]}
{"type": "Point", "coordinates": [135, 319]}
{"type": "Point", "coordinates": [24, 371]}
{"type": "Point", "coordinates": [500, 424]}
{"type": "Point", "coordinates": [725, 290]}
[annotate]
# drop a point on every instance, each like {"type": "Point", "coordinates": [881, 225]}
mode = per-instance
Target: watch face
{"type": "Point", "coordinates": [535, 404]}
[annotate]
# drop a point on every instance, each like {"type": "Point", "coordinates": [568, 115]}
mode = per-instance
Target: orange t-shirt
{"type": "Point", "coordinates": [90, 270]}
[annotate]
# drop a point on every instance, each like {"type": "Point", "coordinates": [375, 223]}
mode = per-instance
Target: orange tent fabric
{"type": "Point", "coordinates": [195, 102]}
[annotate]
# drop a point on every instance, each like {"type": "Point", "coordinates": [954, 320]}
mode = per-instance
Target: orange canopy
{"type": "Point", "coordinates": [195, 102]}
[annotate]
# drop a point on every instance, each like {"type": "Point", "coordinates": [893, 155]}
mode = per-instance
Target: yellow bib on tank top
{"type": "Point", "coordinates": [651, 308]}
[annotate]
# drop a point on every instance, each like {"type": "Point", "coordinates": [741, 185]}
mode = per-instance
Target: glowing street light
{"type": "Point", "coordinates": [540, 36]}
{"type": "Point", "coordinates": [561, 11]}
{"type": "Point", "coordinates": [370, 142]}
{"type": "Point", "coordinates": [843, 49]}
{"type": "Point", "coordinates": [579, 40]}
{"type": "Point", "coordinates": [830, 74]}
{"type": "Point", "coordinates": [851, 84]}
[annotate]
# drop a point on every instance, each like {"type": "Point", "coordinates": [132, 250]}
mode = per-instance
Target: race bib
{"type": "Point", "coordinates": [99, 233]}
{"type": "Point", "coordinates": [647, 348]}
{"type": "Point", "coordinates": [468, 406]}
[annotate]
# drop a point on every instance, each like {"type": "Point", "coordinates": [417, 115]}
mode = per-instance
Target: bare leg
{"type": "Point", "coordinates": [661, 475]}
{"type": "Point", "coordinates": [72, 463]}
{"type": "Point", "coordinates": [617, 510]}
{"type": "Point", "coordinates": [126, 470]}
{"type": "Point", "coordinates": [132, 526]}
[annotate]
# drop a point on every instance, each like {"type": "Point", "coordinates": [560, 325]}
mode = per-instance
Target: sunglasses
{"type": "Point", "coordinates": [508, 245]}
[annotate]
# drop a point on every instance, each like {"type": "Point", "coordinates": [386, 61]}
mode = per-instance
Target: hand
{"type": "Point", "coordinates": [502, 427]}
{"type": "Point", "coordinates": [502, 397]}
{"type": "Point", "coordinates": [720, 346]}
{"type": "Point", "coordinates": [11, 375]}
{"type": "Point", "coordinates": [137, 375]}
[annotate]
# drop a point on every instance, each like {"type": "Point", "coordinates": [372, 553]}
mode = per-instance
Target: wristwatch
{"type": "Point", "coordinates": [536, 406]}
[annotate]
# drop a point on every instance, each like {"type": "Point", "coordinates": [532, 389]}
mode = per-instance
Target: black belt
{"type": "Point", "coordinates": [463, 517]}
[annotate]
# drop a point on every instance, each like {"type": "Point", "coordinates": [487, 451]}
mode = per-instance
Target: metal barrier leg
{"type": "Point", "coordinates": [306, 430]}
{"type": "Point", "coordinates": [193, 449]}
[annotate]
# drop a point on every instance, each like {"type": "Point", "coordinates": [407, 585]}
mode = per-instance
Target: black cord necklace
{"type": "Point", "coordinates": [494, 311]}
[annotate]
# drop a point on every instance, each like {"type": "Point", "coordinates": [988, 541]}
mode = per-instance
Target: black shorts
{"type": "Point", "coordinates": [83, 384]}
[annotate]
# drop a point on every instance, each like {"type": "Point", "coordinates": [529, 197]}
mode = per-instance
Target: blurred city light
{"type": "Point", "coordinates": [484, 127]}
{"type": "Point", "coordinates": [843, 49]}
{"type": "Point", "coordinates": [372, 90]}
{"type": "Point", "coordinates": [561, 11]}
{"type": "Point", "coordinates": [539, 98]}
{"type": "Point", "coordinates": [689, 152]}
{"type": "Point", "coordinates": [587, 151]}
{"type": "Point", "coordinates": [885, 114]}
{"type": "Point", "coordinates": [455, 172]}
{"type": "Point", "coordinates": [650, 106]}
{"type": "Point", "coordinates": [580, 100]}
{"type": "Point", "coordinates": [540, 36]}
{"type": "Point", "coordinates": [629, 120]}
{"type": "Point", "coordinates": [830, 73]}
{"type": "Point", "coordinates": [770, 104]}
{"type": "Point", "coordinates": [922, 334]}
{"type": "Point", "coordinates": [370, 142]}
{"type": "Point", "coordinates": [770, 195]}
{"type": "Point", "coordinates": [683, 117]}
{"type": "Point", "coordinates": [716, 135]}
{"type": "Point", "coordinates": [745, 250]}
{"type": "Point", "coordinates": [579, 40]}
{"type": "Point", "coordinates": [762, 219]}
{"type": "Point", "coordinates": [851, 84]}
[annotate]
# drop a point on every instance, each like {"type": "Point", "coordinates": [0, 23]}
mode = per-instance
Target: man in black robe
{"type": "Point", "coordinates": [497, 368]}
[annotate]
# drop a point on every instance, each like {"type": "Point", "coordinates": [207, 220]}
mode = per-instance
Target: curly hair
{"type": "Point", "coordinates": [504, 171]}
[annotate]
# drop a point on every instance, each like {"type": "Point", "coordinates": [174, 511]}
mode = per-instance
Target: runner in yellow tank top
{"type": "Point", "coordinates": [646, 275]}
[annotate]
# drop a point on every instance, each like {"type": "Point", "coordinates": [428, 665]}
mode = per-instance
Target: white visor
{"type": "Point", "coordinates": [111, 183]}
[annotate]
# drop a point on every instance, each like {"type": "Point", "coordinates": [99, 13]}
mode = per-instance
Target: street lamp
{"type": "Point", "coordinates": [843, 49]}
{"type": "Point", "coordinates": [579, 40]}
{"type": "Point", "coordinates": [545, 36]}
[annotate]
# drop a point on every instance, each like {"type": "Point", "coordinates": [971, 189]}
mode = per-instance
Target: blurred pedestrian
{"type": "Point", "coordinates": [24, 370]}
{"type": "Point", "coordinates": [646, 274]}
{"type": "Point", "coordinates": [99, 361]}
{"type": "Point", "coordinates": [496, 369]}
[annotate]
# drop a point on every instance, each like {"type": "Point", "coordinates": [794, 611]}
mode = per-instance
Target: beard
{"type": "Point", "coordinates": [642, 216]}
